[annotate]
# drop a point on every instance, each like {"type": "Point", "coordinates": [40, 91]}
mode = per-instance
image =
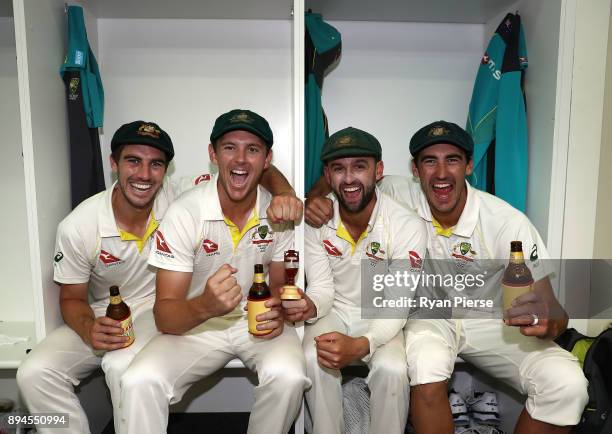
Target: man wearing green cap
{"type": "Point", "coordinates": [471, 230]}
{"type": "Point", "coordinates": [104, 241]}
{"type": "Point", "coordinates": [368, 230]}
{"type": "Point", "coordinates": [205, 253]}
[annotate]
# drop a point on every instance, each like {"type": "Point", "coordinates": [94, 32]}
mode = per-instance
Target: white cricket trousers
{"type": "Point", "coordinates": [48, 374]}
{"type": "Point", "coordinates": [551, 377]}
{"type": "Point", "coordinates": [387, 381]}
{"type": "Point", "coordinates": [164, 370]}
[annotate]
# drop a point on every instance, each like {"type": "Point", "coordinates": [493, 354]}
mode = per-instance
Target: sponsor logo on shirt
{"type": "Point", "coordinates": [463, 252]}
{"type": "Point", "coordinates": [202, 178]}
{"type": "Point", "coordinates": [108, 259]}
{"type": "Point", "coordinates": [415, 259]}
{"type": "Point", "coordinates": [495, 72]}
{"type": "Point", "coordinates": [210, 247]}
{"type": "Point", "coordinates": [58, 257]}
{"type": "Point", "coordinates": [331, 249]}
{"type": "Point", "coordinates": [373, 249]}
{"type": "Point", "coordinates": [162, 246]}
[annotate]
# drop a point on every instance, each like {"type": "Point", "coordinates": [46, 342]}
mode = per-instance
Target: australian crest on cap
{"type": "Point", "coordinates": [241, 117]}
{"type": "Point", "coordinates": [344, 140]}
{"type": "Point", "coordinates": [149, 130]}
{"type": "Point", "coordinates": [438, 130]}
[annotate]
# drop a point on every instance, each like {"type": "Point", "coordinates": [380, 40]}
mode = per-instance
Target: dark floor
{"type": "Point", "coordinates": [203, 423]}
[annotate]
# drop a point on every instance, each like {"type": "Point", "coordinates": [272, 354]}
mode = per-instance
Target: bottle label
{"type": "Point", "coordinates": [128, 330]}
{"type": "Point", "coordinates": [255, 308]}
{"type": "Point", "coordinates": [509, 293]}
{"type": "Point", "coordinates": [517, 257]}
{"type": "Point", "coordinates": [116, 299]}
{"type": "Point", "coordinates": [258, 278]}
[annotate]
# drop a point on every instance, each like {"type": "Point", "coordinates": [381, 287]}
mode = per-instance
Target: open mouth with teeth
{"type": "Point", "coordinates": [351, 193]}
{"type": "Point", "coordinates": [239, 177]}
{"type": "Point", "coordinates": [141, 187]}
{"type": "Point", "coordinates": [442, 190]}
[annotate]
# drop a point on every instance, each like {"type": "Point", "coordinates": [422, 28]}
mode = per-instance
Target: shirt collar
{"type": "Point", "coordinates": [107, 222]}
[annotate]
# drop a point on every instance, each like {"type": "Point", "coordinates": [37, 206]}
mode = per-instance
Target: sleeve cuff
{"type": "Point", "coordinates": [373, 347]}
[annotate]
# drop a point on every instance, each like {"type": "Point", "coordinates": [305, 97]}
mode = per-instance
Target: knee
{"type": "Point", "coordinates": [557, 390]}
{"type": "Point", "coordinates": [559, 378]}
{"type": "Point", "coordinates": [140, 376]}
{"type": "Point", "coordinates": [115, 366]}
{"type": "Point", "coordinates": [429, 360]}
{"type": "Point", "coordinates": [285, 374]}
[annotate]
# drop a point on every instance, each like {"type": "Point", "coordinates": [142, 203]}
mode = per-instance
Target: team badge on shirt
{"type": "Point", "coordinates": [262, 237]}
{"type": "Point", "coordinates": [108, 259]}
{"type": "Point", "coordinates": [374, 252]}
{"type": "Point", "coordinates": [463, 252]}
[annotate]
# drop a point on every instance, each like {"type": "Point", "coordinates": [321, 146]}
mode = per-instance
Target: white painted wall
{"type": "Point", "coordinates": [40, 41]}
{"type": "Point", "coordinates": [393, 78]}
{"type": "Point", "coordinates": [16, 287]}
{"type": "Point", "coordinates": [184, 73]}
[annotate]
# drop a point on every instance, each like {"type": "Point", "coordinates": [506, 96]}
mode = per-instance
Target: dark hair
{"type": "Point", "coordinates": [116, 155]}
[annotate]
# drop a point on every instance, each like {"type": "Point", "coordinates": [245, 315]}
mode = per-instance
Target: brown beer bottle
{"type": "Point", "coordinates": [258, 295]}
{"type": "Point", "coordinates": [119, 311]}
{"type": "Point", "coordinates": [517, 279]}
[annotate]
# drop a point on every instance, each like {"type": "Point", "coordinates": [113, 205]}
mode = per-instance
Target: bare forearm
{"type": "Point", "coordinates": [320, 189]}
{"type": "Point", "coordinates": [275, 182]}
{"type": "Point", "coordinates": [179, 316]}
{"type": "Point", "coordinates": [79, 316]}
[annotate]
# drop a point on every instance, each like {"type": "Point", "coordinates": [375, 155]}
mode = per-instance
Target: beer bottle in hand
{"type": "Point", "coordinates": [517, 278]}
{"type": "Point", "coordinates": [119, 311]}
{"type": "Point", "coordinates": [258, 295]}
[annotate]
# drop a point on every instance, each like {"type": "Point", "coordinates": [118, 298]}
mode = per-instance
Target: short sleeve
{"type": "Point", "coordinates": [72, 262]}
{"type": "Point", "coordinates": [176, 240]}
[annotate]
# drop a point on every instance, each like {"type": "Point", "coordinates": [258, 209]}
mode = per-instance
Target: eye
{"type": "Point", "coordinates": [132, 160]}
{"type": "Point", "coordinates": [253, 149]}
{"type": "Point", "coordinates": [157, 164]}
{"type": "Point", "coordinates": [228, 147]}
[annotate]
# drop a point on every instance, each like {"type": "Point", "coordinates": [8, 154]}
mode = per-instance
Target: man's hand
{"type": "Point", "coordinates": [106, 334]}
{"type": "Point", "coordinates": [319, 210]}
{"type": "Point", "coordinates": [274, 319]}
{"type": "Point", "coordinates": [222, 292]}
{"type": "Point", "coordinates": [550, 316]}
{"type": "Point", "coordinates": [336, 350]}
{"type": "Point", "coordinates": [285, 207]}
{"type": "Point", "coordinates": [299, 310]}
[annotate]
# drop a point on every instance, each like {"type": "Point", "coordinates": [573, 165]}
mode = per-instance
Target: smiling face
{"type": "Point", "coordinates": [140, 173]}
{"type": "Point", "coordinates": [242, 158]}
{"type": "Point", "coordinates": [442, 169]}
{"type": "Point", "coordinates": [353, 180]}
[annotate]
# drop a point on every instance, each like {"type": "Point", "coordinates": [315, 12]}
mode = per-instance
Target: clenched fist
{"type": "Point", "coordinates": [285, 207]}
{"type": "Point", "coordinates": [222, 292]}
